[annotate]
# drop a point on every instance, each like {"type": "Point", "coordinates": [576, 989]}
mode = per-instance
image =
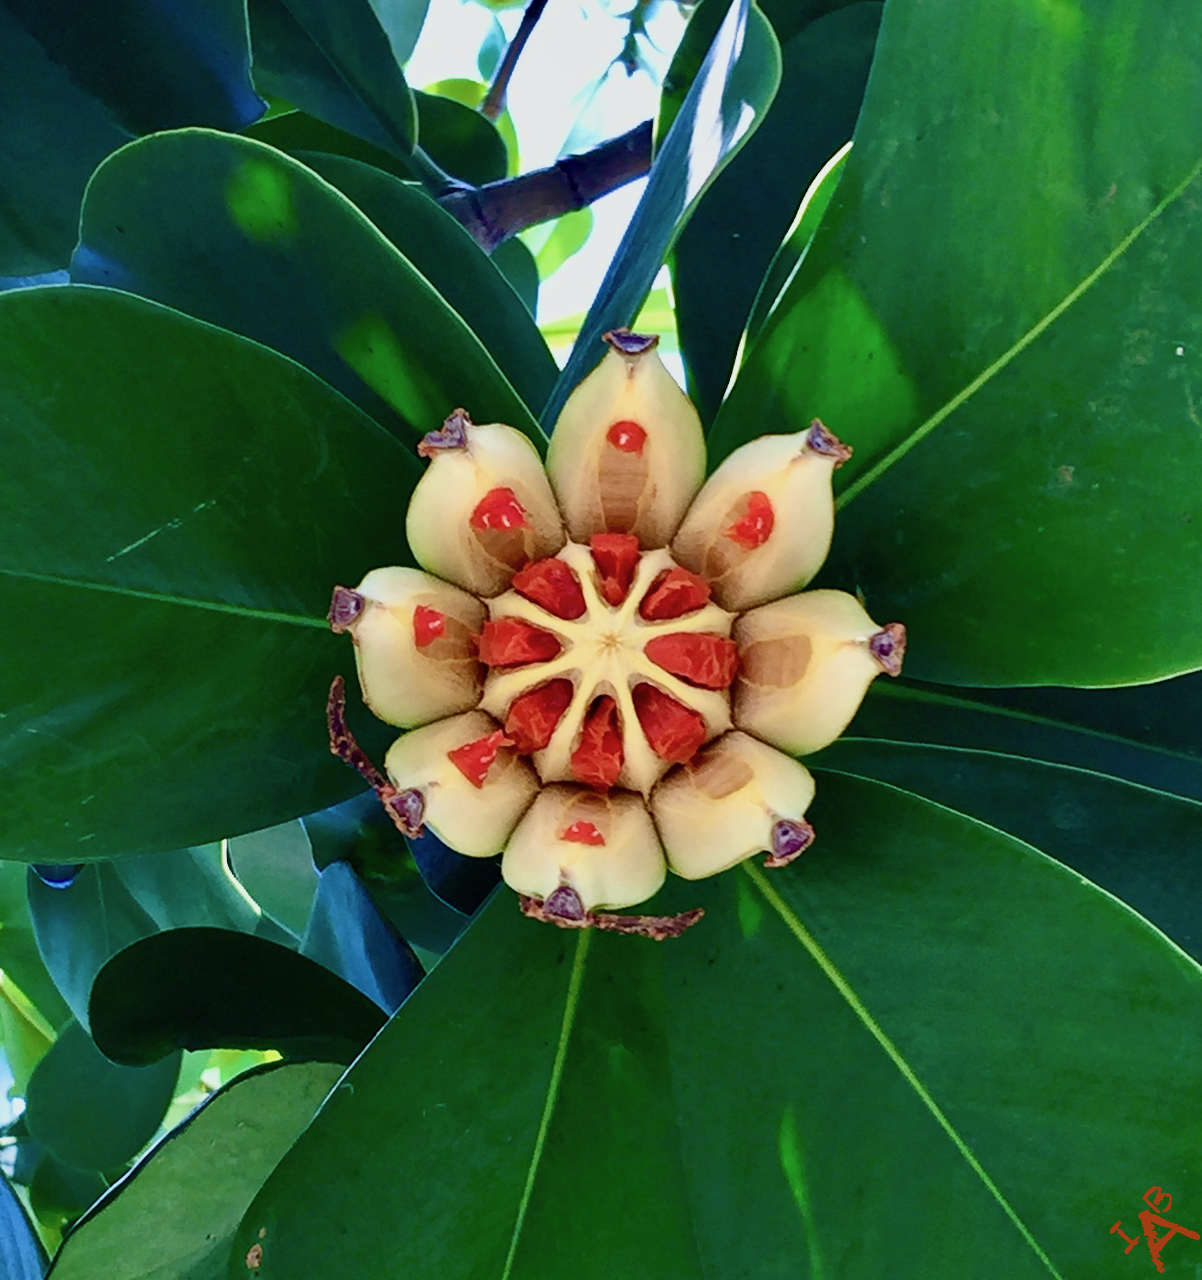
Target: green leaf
{"type": "Point", "coordinates": [52, 135]}
{"type": "Point", "coordinates": [456, 266]}
{"type": "Point", "coordinates": [20, 1249]}
{"type": "Point", "coordinates": [1143, 734]}
{"type": "Point", "coordinates": [1026, 379]}
{"type": "Point", "coordinates": [201, 988]}
{"type": "Point", "coordinates": [471, 93]}
{"type": "Point", "coordinates": [402, 21]}
{"type": "Point", "coordinates": [809, 216]}
{"type": "Point", "coordinates": [566, 236]}
{"type": "Point", "coordinates": [727, 99]}
{"type": "Point", "coordinates": [175, 1214]}
{"type": "Point", "coordinates": [19, 957]}
{"type": "Point", "coordinates": [90, 1112]}
{"type": "Point", "coordinates": [347, 934]}
{"type": "Point", "coordinates": [294, 132]}
{"type": "Point", "coordinates": [1135, 842]}
{"type": "Point", "coordinates": [516, 263]}
{"type": "Point", "coordinates": [76, 83]}
{"type": "Point", "coordinates": [108, 906]}
{"type": "Point", "coordinates": [58, 1194]}
{"type": "Point", "coordinates": [460, 140]}
{"type": "Point", "coordinates": [749, 207]}
{"type": "Point", "coordinates": [235, 233]}
{"type": "Point", "coordinates": [876, 1062]}
{"type": "Point", "coordinates": [334, 61]}
{"type": "Point", "coordinates": [185, 500]}
{"type": "Point", "coordinates": [276, 868]}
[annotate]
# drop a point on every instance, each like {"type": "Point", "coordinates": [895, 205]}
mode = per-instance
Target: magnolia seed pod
{"type": "Point", "coordinates": [734, 798]}
{"type": "Point", "coordinates": [627, 453]}
{"type": "Point", "coordinates": [602, 846]}
{"type": "Point", "coordinates": [805, 664]}
{"type": "Point", "coordinates": [484, 507]}
{"type": "Point", "coordinates": [474, 786]}
{"type": "Point", "coordinates": [414, 644]}
{"type": "Point", "coordinates": [762, 525]}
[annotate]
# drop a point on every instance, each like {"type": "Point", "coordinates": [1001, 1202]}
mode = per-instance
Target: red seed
{"type": "Point", "coordinates": [674, 593]}
{"type": "Point", "coordinates": [428, 625]}
{"type": "Point", "coordinates": [700, 658]}
{"type": "Point", "coordinates": [753, 528]}
{"type": "Point", "coordinates": [499, 509]}
{"type": "Point", "coordinates": [511, 642]}
{"type": "Point", "coordinates": [616, 556]}
{"type": "Point", "coordinates": [583, 833]}
{"type": "Point", "coordinates": [627, 436]}
{"type": "Point", "coordinates": [597, 761]}
{"type": "Point", "coordinates": [553, 585]}
{"type": "Point", "coordinates": [673, 731]}
{"type": "Point", "coordinates": [533, 717]}
{"type": "Point", "coordinates": [474, 759]}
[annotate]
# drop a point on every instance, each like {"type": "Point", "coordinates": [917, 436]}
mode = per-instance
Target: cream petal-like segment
{"type": "Point", "coordinates": [762, 525]}
{"type": "Point", "coordinates": [628, 453]}
{"type": "Point", "coordinates": [722, 806]}
{"type": "Point", "coordinates": [414, 646]}
{"type": "Point", "coordinates": [473, 820]}
{"type": "Point", "coordinates": [603, 846]}
{"type": "Point", "coordinates": [484, 507]}
{"type": "Point", "coordinates": [805, 664]}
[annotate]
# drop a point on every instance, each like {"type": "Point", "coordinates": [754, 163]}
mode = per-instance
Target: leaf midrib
{"type": "Point", "coordinates": [924, 429]}
{"type": "Point", "coordinates": [159, 597]}
{"type": "Point", "coordinates": [571, 1003]}
{"type": "Point", "coordinates": [857, 1006]}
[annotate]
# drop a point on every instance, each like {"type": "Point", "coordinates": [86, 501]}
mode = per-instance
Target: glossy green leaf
{"type": "Point", "coordinates": [748, 209]}
{"type": "Point", "coordinates": [26, 1036]}
{"type": "Point", "coordinates": [201, 988]}
{"type": "Point", "coordinates": [877, 1062]}
{"type": "Point", "coordinates": [19, 957]}
{"type": "Point", "coordinates": [787, 17]}
{"type": "Point", "coordinates": [1135, 842]}
{"type": "Point", "coordinates": [1019, 395]}
{"type": "Point", "coordinates": [21, 1251]}
{"type": "Point", "coordinates": [276, 868]}
{"type": "Point", "coordinates": [334, 61]}
{"type": "Point", "coordinates": [108, 906]}
{"type": "Point", "coordinates": [347, 934]}
{"type": "Point", "coordinates": [90, 1112]}
{"type": "Point", "coordinates": [294, 131]}
{"type": "Point", "coordinates": [58, 1194]}
{"type": "Point", "coordinates": [456, 266]}
{"type": "Point", "coordinates": [516, 263]}
{"type": "Point", "coordinates": [235, 233]}
{"type": "Point", "coordinates": [471, 93]}
{"type": "Point", "coordinates": [174, 515]}
{"type": "Point", "coordinates": [565, 237]}
{"type": "Point", "coordinates": [1144, 734]}
{"type": "Point", "coordinates": [460, 140]}
{"type": "Point", "coordinates": [77, 81]}
{"type": "Point", "coordinates": [52, 135]}
{"type": "Point", "coordinates": [727, 99]}
{"type": "Point", "coordinates": [809, 216]}
{"type": "Point", "coordinates": [174, 1215]}
{"type": "Point", "coordinates": [402, 21]}
{"type": "Point", "coordinates": [152, 66]}
{"type": "Point", "coordinates": [426, 894]}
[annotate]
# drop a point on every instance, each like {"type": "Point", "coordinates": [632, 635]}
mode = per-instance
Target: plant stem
{"type": "Point", "coordinates": [494, 212]}
{"type": "Point", "coordinates": [494, 100]}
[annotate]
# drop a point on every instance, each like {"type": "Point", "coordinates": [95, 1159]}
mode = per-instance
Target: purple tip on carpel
{"type": "Point", "coordinates": [345, 606]}
{"type": "Point", "coordinates": [631, 344]}
{"type": "Point", "coordinates": [409, 810]}
{"type": "Point", "coordinates": [825, 442]}
{"type": "Point", "coordinates": [451, 435]}
{"type": "Point", "coordinates": [790, 839]}
{"type": "Point", "coordinates": [564, 904]}
{"type": "Point", "coordinates": [888, 647]}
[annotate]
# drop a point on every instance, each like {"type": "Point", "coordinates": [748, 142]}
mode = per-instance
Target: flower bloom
{"type": "Point", "coordinates": [606, 667]}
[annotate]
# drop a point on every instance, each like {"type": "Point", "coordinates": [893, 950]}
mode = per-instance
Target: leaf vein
{"type": "Point", "coordinates": [840, 983]}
